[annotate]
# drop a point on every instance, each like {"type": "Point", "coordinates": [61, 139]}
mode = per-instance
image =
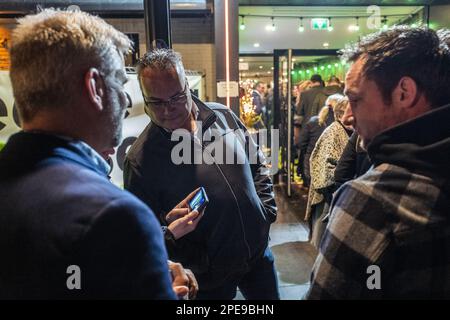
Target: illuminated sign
{"type": "Point", "coordinates": [319, 24]}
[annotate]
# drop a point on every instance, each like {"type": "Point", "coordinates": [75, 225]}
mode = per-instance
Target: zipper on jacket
{"type": "Point", "coordinates": [235, 199]}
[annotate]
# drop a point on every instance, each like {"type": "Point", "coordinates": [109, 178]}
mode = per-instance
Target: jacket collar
{"type": "Point", "coordinates": [25, 150]}
{"type": "Point", "coordinates": [420, 145]}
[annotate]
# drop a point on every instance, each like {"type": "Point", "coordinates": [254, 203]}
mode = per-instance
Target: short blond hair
{"type": "Point", "coordinates": [339, 108]}
{"type": "Point", "coordinates": [52, 50]}
{"type": "Point", "coordinates": [330, 102]}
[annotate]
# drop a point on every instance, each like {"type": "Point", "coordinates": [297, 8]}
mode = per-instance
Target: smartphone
{"type": "Point", "coordinates": [199, 200]}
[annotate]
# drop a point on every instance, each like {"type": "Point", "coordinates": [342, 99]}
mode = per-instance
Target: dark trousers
{"type": "Point", "coordinates": [260, 283]}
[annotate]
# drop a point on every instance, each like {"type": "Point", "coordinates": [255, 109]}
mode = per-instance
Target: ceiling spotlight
{"type": "Point", "coordinates": [330, 26]}
{"type": "Point", "coordinates": [242, 26]}
{"type": "Point", "coordinates": [272, 26]}
{"type": "Point", "coordinates": [301, 28]}
{"type": "Point", "coordinates": [326, 44]}
{"type": "Point", "coordinates": [385, 23]}
{"type": "Point", "coordinates": [260, 67]}
{"type": "Point", "coordinates": [354, 27]}
{"type": "Point", "coordinates": [241, 59]}
{"type": "Point", "coordinates": [256, 45]}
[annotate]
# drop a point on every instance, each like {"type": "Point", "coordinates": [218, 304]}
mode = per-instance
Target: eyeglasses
{"type": "Point", "coordinates": [178, 99]}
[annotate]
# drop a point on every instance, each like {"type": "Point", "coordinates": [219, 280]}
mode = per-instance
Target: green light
{"type": "Point", "coordinates": [300, 71]}
{"type": "Point", "coordinates": [319, 24]}
{"type": "Point", "coordinates": [329, 66]}
{"type": "Point", "coordinates": [322, 67]}
{"type": "Point", "coordinates": [292, 72]}
{"type": "Point", "coordinates": [308, 71]}
{"type": "Point", "coordinates": [336, 65]}
{"type": "Point", "coordinates": [343, 63]}
{"type": "Point", "coordinates": [315, 68]}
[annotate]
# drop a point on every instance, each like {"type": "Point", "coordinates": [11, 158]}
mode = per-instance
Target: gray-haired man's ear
{"type": "Point", "coordinates": [95, 88]}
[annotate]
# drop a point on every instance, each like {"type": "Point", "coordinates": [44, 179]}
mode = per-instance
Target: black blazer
{"type": "Point", "coordinates": [57, 209]}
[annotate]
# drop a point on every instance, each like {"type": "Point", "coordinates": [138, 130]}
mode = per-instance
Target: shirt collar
{"type": "Point", "coordinates": [93, 155]}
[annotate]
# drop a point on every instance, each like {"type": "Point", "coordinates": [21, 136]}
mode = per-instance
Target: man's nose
{"type": "Point", "coordinates": [168, 108]}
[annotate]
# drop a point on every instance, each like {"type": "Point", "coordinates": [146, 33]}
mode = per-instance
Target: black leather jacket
{"type": "Point", "coordinates": [235, 227]}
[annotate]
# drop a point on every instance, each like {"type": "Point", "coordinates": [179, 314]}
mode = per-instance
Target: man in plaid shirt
{"type": "Point", "coordinates": [388, 235]}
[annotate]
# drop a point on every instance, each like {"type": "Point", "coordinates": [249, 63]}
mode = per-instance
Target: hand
{"type": "Point", "coordinates": [183, 281]}
{"type": "Point", "coordinates": [184, 225]}
{"type": "Point", "coordinates": [193, 285]}
{"type": "Point", "coordinates": [180, 221]}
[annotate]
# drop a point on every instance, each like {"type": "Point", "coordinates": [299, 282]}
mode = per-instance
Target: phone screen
{"type": "Point", "coordinates": [199, 200]}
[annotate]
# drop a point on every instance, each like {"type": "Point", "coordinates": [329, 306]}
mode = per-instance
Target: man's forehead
{"type": "Point", "coordinates": [169, 74]}
{"type": "Point", "coordinates": [354, 76]}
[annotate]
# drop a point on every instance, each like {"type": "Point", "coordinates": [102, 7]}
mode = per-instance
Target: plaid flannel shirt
{"type": "Point", "coordinates": [395, 220]}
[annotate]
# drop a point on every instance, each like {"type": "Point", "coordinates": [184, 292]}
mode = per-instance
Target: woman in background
{"type": "Point", "coordinates": [323, 161]}
{"type": "Point", "coordinates": [311, 133]}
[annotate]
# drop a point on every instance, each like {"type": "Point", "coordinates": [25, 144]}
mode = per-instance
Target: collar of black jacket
{"type": "Point", "coordinates": [421, 145]}
{"type": "Point", "coordinates": [205, 115]}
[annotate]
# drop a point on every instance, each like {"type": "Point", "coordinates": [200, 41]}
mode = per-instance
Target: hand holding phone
{"type": "Point", "coordinates": [184, 218]}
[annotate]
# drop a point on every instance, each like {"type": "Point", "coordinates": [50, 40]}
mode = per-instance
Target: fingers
{"type": "Point", "coordinates": [179, 275]}
{"type": "Point", "coordinates": [189, 218]}
{"type": "Point", "coordinates": [180, 279]}
{"type": "Point", "coordinates": [176, 213]}
{"type": "Point", "coordinates": [181, 291]}
{"type": "Point", "coordinates": [184, 225]}
{"type": "Point", "coordinates": [184, 203]}
{"type": "Point", "coordinates": [193, 285]}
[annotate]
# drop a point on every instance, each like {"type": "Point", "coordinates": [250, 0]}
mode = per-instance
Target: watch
{"type": "Point", "coordinates": [168, 235]}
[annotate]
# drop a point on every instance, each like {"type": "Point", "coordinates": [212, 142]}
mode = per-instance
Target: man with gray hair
{"type": "Point", "coordinates": [229, 247]}
{"type": "Point", "coordinates": [66, 231]}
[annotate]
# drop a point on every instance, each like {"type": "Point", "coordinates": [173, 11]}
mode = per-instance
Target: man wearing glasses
{"type": "Point", "coordinates": [229, 246]}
